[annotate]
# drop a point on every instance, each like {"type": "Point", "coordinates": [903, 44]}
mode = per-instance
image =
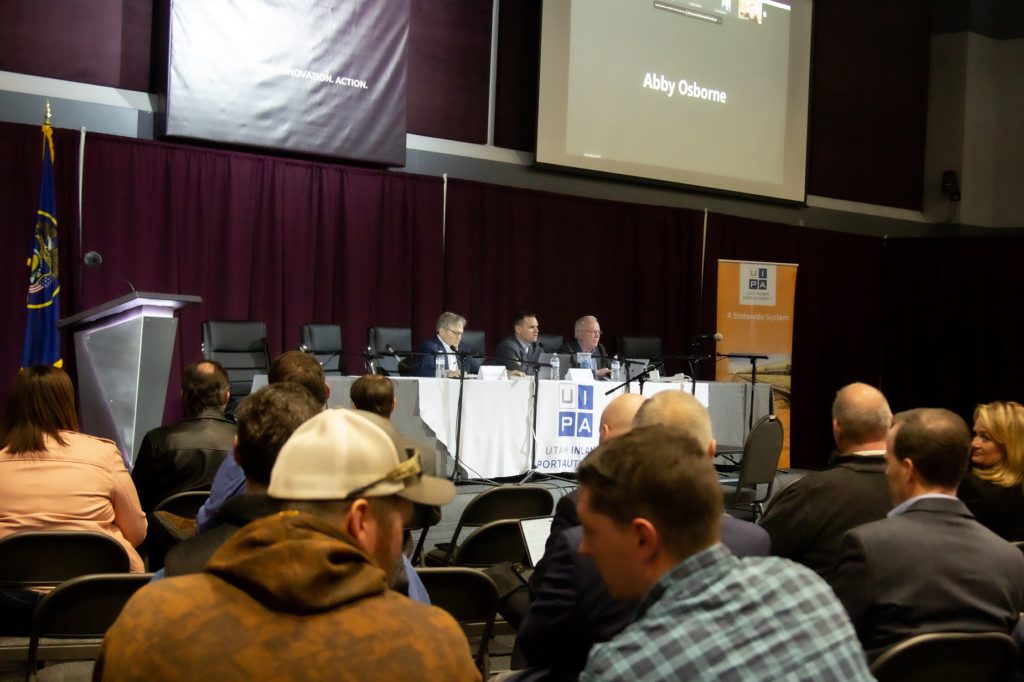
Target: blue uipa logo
{"type": "Point", "coordinates": [576, 424]}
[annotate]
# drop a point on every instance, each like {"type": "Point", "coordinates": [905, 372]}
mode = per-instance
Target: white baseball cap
{"type": "Point", "coordinates": [343, 454]}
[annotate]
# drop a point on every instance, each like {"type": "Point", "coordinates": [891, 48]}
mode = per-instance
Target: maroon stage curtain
{"type": "Point", "coordinates": [635, 267]}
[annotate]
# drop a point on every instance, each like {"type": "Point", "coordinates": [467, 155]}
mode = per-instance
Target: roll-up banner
{"type": "Point", "coordinates": [323, 78]}
{"type": "Point", "coordinates": [755, 317]}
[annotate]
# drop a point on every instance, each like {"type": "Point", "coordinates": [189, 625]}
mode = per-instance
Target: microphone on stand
{"type": "Point", "coordinates": [93, 259]}
{"type": "Point", "coordinates": [706, 337]}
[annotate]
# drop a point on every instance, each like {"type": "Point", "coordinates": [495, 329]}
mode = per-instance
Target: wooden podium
{"type": "Point", "coordinates": [123, 351]}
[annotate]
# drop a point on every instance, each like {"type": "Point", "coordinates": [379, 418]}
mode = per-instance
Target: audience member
{"type": "Point", "coordinates": [185, 456]}
{"type": "Point", "coordinates": [521, 346]}
{"type": "Point", "coordinates": [929, 567]}
{"type": "Point", "coordinates": [572, 609]}
{"type": "Point", "coordinates": [652, 508]}
{"type": "Point", "coordinates": [994, 490]}
{"type": "Point", "coordinates": [587, 331]}
{"type": "Point", "coordinates": [449, 345]}
{"type": "Point", "coordinates": [807, 518]}
{"type": "Point", "coordinates": [294, 366]}
{"type": "Point", "coordinates": [266, 419]}
{"type": "Point", "coordinates": [376, 393]}
{"type": "Point", "coordinates": [302, 594]}
{"type": "Point", "coordinates": [54, 478]}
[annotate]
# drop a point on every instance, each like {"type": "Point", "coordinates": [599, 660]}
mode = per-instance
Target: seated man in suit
{"type": "Point", "coordinates": [651, 508]}
{"type": "Point", "coordinates": [807, 518]}
{"type": "Point", "coordinates": [448, 343]}
{"type": "Point", "coordinates": [186, 455]}
{"type": "Point", "coordinates": [521, 345]}
{"type": "Point", "coordinates": [588, 340]}
{"type": "Point", "coordinates": [929, 567]}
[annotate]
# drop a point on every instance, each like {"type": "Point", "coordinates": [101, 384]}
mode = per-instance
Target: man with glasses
{"type": "Point", "coordinates": [302, 594]}
{"type": "Point", "coordinates": [588, 340]}
{"type": "Point", "coordinates": [448, 344]}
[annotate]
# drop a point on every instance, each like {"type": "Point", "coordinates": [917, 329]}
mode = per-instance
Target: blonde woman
{"type": "Point", "coordinates": [994, 488]}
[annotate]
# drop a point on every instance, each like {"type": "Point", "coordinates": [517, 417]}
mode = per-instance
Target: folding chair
{"type": "Point", "coordinates": [975, 656]}
{"type": "Point", "coordinates": [471, 597]}
{"type": "Point", "coordinates": [761, 454]}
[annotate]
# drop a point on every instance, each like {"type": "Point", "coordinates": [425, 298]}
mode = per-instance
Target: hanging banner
{"type": "Point", "coordinates": [755, 317]}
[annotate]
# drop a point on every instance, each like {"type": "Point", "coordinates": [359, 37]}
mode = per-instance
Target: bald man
{"type": "Point", "coordinates": [808, 517]}
{"type": "Point", "coordinates": [617, 418]}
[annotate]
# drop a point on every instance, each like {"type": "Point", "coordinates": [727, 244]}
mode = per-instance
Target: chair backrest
{"type": "Point", "coordinates": [497, 504]}
{"type": "Point", "coordinates": [975, 656]}
{"type": "Point", "coordinates": [186, 504]}
{"type": "Point", "coordinates": [324, 341]}
{"type": "Point", "coordinates": [469, 595]}
{"type": "Point", "coordinates": [423, 517]}
{"type": "Point", "coordinates": [493, 543]}
{"type": "Point", "coordinates": [475, 341]}
{"type": "Point", "coordinates": [241, 347]}
{"type": "Point", "coordinates": [645, 347]}
{"type": "Point", "coordinates": [399, 338]}
{"type": "Point", "coordinates": [550, 342]}
{"type": "Point", "coordinates": [761, 453]}
{"type": "Point", "coordinates": [49, 557]}
{"type": "Point", "coordinates": [83, 607]}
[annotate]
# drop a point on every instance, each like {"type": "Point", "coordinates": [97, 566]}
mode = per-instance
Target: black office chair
{"type": "Point", "coordinates": [471, 597]}
{"type": "Point", "coordinates": [400, 340]}
{"type": "Point", "coordinates": [974, 656]}
{"type": "Point", "coordinates": [71, 620]}
{"type": "Point", "coordinates": [324, 342]}
{"type": "Point", "coordinates": [641, 347]}
{"type": "Point", "coordinates": [241, 348]}
{"type": "Point", "coordinates": [475, 341]}
{"type": "Point", "coordinates": [761, 453]}
{"type": "Point", "coordinates": [496, 504]}
{"type": "Point", "coordinates": [550, 342]}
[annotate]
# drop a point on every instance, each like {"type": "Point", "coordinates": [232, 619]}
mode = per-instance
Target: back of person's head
{"type": "Point", "coordinates": [660, 474]}
{"type": "Point", "coordinates": [1004, 422]}
{"type": "Point", "coordinates": [300, 368]}
{"type": "Point", "coordinates": [679, 410]}
{"type": "Point", "coordinates": [266, 419]}
{"type": "Point", "coordinates": [617, 417]}
{"type": "Point", "coordinates": [862, 413]}
{"type": "Point", "coordinates": [204, 385]}
{"type": "Point", "coordinates": [41, 403]}
{"type": "Point", "coordinates": [373, 393]}
{"type": "Point", "coordinates": [937, 441]}
{"type": "Point", "coordinates": [448, 319]}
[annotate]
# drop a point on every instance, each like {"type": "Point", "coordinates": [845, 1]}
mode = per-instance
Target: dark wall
{"type": "Point", "coordinates": [869, 77]}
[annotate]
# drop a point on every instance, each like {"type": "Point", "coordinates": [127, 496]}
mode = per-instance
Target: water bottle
{"type": "Point", "coordinates": [616, 369]}
{"type": "Point", "coordinates": [555, 373]}
{"type": "Point", "coordinates": [440, 366]}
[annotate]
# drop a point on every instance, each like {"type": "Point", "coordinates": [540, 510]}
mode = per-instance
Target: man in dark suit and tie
{"type": "Point", "coordinates": [521, 346]}
{"type": "Point", "coordinates": [448, 343]}
{"type": "Point", "coordinates": [929, 566]}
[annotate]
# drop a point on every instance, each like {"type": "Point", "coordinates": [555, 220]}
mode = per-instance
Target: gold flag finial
{"type": "Point", "coordinates": [49, 113]}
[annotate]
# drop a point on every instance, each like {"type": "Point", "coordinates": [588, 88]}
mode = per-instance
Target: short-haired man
{"type": "Point", "coordinates": [929, 567]}
{"type": "Point", "coordinates": [292, 366]}
{"type": "Point", "coordinates": [186, 455]}
{"type": "Point", "coordinates": [807, 518]}
{"type": "Point", "coordinates": [520, 350]}
{"type": "Point", "coordinates": [302, 594]}
{"type": "Point", "coordinates": [587, 331]}
{"type": "Point", "coordinates": [449, 345]}
{"type": "Point", "coordinates": [266, 420]}
{"type": "Point", "coordinates": [373, 393]}
{"type": "Point", "coordinates": [651, 507]}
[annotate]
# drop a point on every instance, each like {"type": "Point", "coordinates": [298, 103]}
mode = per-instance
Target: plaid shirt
{"type": "Point", "coordinates": [716, 617]}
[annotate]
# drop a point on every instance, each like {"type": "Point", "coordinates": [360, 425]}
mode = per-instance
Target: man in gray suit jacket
{"type": "Point", "coordinates": [929, 567]}
{"type": "Point", "coordinates": [520, 349]}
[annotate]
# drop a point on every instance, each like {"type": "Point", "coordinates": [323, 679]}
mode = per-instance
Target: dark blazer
{"type": "Point", "coordinates": [511, 352]}
{"type": "Point", "coordinates": [184, 456]}
{"type": "Point", "coordinates": [572, 347]}
{"type": "Point", "coordinates": [933, 568]}
{"type": "Point", "coordinates": [996, 507]}
{"type": "Point", "coordinates": [808, 517]}
{"type": "Point", "coordinates": [432, 347]}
